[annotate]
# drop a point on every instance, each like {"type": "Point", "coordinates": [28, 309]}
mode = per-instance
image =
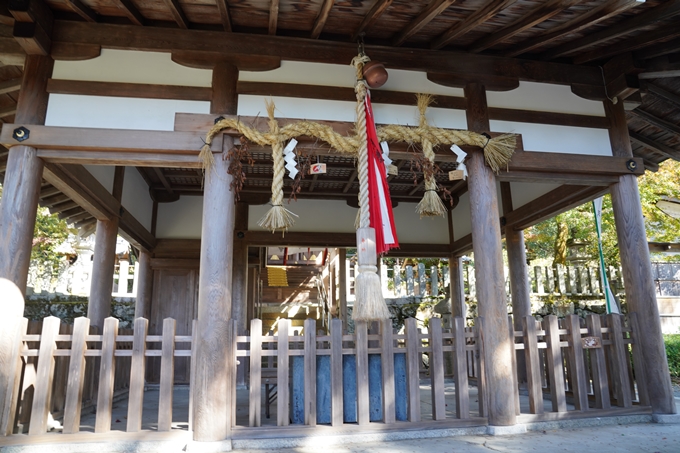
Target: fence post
{"type": "Point", "coordinates": [361, 333]}
{"type": "Point", "coordinates": [413, 369]}
{"type": "Point", "coordinates": [555, 363]}
{"type": "Point", "coordinates": [137, 367]}
{"type": "Point", "coordinates": [578, 372]}
{"type": "Point", "coordinates": [76, 376]}
{"type": "Point", "coordinates": [336, 373]}
{"type": "Point", "coordinates": [643, 396]}
{"type": "Point", "coordinates": [165, 392]}
{"type": "Point", "coordinates": [387, 361]}
{"type": "Point", "coordinates": [619, 361]}
{"type": "Point", "coordinates": [598, 365]}
{"type": "Point", "coordinates": [106, 376]}
{"type": "Point", "coordinates": [460, 368]}
{"type": "Point", "coordinates": [44, 376]}
{"type": "Point", "coordinates": [310, 371]}
{"type": "Point", "coordinates": [437, 369]}
{"type": "Point", "coordinates": [255, 391]}
{"type": "Point", "coordinates": [533, 366]}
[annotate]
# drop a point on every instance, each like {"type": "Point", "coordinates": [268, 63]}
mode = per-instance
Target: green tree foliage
{"type": "Point", "coordinates": [547, 239]}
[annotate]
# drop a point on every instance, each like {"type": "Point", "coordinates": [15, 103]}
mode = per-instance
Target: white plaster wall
{"type": "Point", "coordinates": [102, 173]}
{"type": "Point", "coordinates": [558, 139]}
{"type": "Point", "coordinates": [132, 67]}
{"type": "Point", "coordinates": [118, 113]}
{"type": "Point", "coordinates": [136, 198]}
{"type": "Point", "coordinates": [414, 230]}
{"type": "Point", "coordinates": [330, 216]}
{"type": "Point", "coordinates": [180, 220]}
{"type": "Point", "coordinates": [544, 97]}
{"type": "Point", "coordinates": [461, 217]}
{"type": "Point", "coordinates": [523, 192]}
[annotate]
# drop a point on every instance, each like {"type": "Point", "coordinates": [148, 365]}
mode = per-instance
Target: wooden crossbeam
{"type": "Point", "coordinates": [223, 6]}
{"type": "Point", "coordinates": [594, 16]}
{"type": "Point", "coordinates": [542, 13]}
{"type": "Point", "coordinates": [481, 15]}
{"type": "Point", "coordinates": [8, 111]}
{"type": "Point", "coordinates": [10, 85]}
{"type": "Point", "coordinates": [82, 10]}
{"type": "Point", "coordinates": [661, 93]}
{"type": "Point", "coordinates": [177, 13]}
{"type": "Point", "coordinates": [373, 14]}
{"type": "Point", "coordinates": [435, 8]}
{"type": "Point", "coordinates": [300, 49]}
{"type": "Point", "coordinates": [33, 26]}
{"type": "Point", "coordinates": [321, 18]}
{"type": "Point", "coordinates": [664, 11]}
{"type": "Point", "coordinates": [658, 50]}
{"type": "Point", "coordinates": [664, 125]}
{"type": "Point", "coordinates": [131, 11]}
{"type": "Point", "coordinates": [273, 16]}
{"type": "Point", "coordinates": [660, 148]}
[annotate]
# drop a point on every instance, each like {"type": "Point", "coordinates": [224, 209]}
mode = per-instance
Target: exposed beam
{"type": "Point", "coordinates": [373, 14]}
{"type": "Point", "coordinates": [8, 111]}
{"type": "Point", "coordinates": [301, 49]}
{"type": "Point", "coordinates": [273, 16]}
{"type": "Point", "coordinates": [658, 50]}
{"type": "Point", "coordinates": [664, 11]}
{"type": "Point", "coordinates": [435, 8]}
{"type": "Point", "coordinates": [132, 90]}
{"type": "Point", "coordinates": [163, 179]}
{"type": "Point", "coordinates": [10, 85]}
{"type": "Point", "coordinates": [177, 13]}
{"type": "Point", "coordinates": [481, 15]}
{"type": "Point", "coordinates": [660, 148]}
{"type": "Point", "coordinates": [661, 93]}
{"type": "Point", "coordinates": [321, 19]}
{"type": "Point", "coordinates": [628, 45]}
{"type": "Point", "coordinates": [662, 67]}
{"type": "Point", "coordinates": [82, 10]}
{"type": "Point", "coordinates": [33, 26]}
{"type": "Point", "coordinates": [131, 11]}
{"type": "Point", "coordinates": [223, 6]}
{"type": "Point", "coordinates": [664, 247]}
{"type": "Point", "coordinates": [594, 16]}
{"type": "Point", "coordinates": [657, 122]}
{"type": "Point", "coordinates": [542, 13]}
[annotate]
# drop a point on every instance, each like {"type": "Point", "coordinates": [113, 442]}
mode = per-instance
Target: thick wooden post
{"type": "Point", "coordinates": [12, 307]}
{"type": "Point", "coordinates": [637, 269]}
{"type": "Point", "coordinates": [486, 243]}
{"type": "Point", "coordinates": [144, 285]}
{"type": "Point", "coordinates": [104, 261]}
{"type": "Point", "coordinates": [456, 286]}
{"type": "Point", "coordinates": [342, 285]}
{"type": "Point", "coordinates": [214, 372]}
{"type": "Point", "coordinates": [239, 285]}
{"type": "Point", "coordinates": [23, 176]}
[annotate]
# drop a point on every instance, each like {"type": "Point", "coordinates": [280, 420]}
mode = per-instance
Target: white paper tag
{"type": "Point", "coordinates": [460, 154]}
{"type": "Point", "coordinates": [392, 170]}
{"type": "Point", "coordinates": [290, 146]}
{"type": "Point", "coordinates": [317, 169]}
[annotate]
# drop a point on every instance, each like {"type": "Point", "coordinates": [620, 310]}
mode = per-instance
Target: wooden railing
{"type": "Point", "coordinates": [372, 375]}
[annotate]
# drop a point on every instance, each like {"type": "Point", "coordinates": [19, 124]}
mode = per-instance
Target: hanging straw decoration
{"type": "Point", "coordinates": [370, 304]}
{"type": "Point", "coordinates": [278, 217]}
{"type": "Point", "coordinates": [431, 205]}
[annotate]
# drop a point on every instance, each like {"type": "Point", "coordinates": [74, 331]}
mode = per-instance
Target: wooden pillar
{"type": "Point", "coordinates": [239, 283]}
{"type": "Point", "coordinates": [342, 285]}
{"type": "Point", "coordinates": [457, 287]}
{"type": "Point", "coordinates": [23, 176]}
{"type": "Point", "coordinates": [637, 269]}
{"type": "Point", "coordinates": [486, 243]}
{"type": "Point", "coordinates": [212, 389]}
{"type": "Point", "coordinates": [104, 261]}
{"type": "Point", "coordinates": [519, 277]}
{"type": "Point", "coordinates": [144, 285]}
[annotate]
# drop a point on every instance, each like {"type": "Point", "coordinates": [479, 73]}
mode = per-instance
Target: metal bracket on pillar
{"type": "Point", "coordinates": [21, 133]}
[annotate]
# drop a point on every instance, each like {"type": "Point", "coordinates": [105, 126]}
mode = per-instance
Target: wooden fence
{"type": "Point", "coordinates": [373, 375]}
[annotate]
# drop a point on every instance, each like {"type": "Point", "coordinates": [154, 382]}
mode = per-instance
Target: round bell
{"type": "Point", "coordinates": [375, 74]}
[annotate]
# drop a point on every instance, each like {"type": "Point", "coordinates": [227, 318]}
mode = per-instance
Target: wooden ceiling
{"type": "Point", "coordinates": [578, 32]}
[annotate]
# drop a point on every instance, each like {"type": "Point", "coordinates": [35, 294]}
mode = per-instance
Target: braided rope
{"type": "Point", "coordinates": [277, 156]}
{"type": "Point", "coordinates": [361, 91]}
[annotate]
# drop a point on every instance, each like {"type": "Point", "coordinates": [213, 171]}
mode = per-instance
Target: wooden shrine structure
{"type": "Point", "coordinates": [105, 106]}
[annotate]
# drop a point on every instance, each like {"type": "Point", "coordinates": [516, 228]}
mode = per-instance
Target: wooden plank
{"type": "Point", "coordinates": [598, 366]}
{"type": "Point", "coordinates": [638, 360]}
{"type": "Point", "coordinates": [165, 392]}
{"type": "Point", "coordinates": [387, 363]}
{"type": "Point", "coordinates": [232, 341]}
{"type": "Point", "coordinates": [310, 371]}
{"type": "Point", "coordinates": [131, 90]}
{"type": "Point", "coordinates": [532, 363]}
{"type": "Point", "coordinates": [437, 369]}
{"type": "Point", "coordinates": [131, 11]}
{"type": "Point", "coordinates": [413, 369]}
{"type": "Point", "coordinates": [432, 10]}
{"type": "Point", "coordinates": [106, 376]}
{"type": "Point", "coordinates": [255, 390]}
{"type": "Point", "coordinates": [137, 375]}
{"type": "Point", "coordinates": [11, 85]}
{"type": "Point", "coordinates": [554, 364]}
{"type": "Point", "coordinates": [321, 18]}
{"type": "Point", "coordinates": [44, 376]}
{"type": "Point", "coordinates": [165, 160]}
{"type": "Point", "coordinates": [460, 369]}
{"type": "Point", "coordinates": [659, 147]}
{"type": "Point", "coordinates": [192, 374]}
{"type": "Point", "coordinates": [273, 16]}
{"type": "Point", "coordinates": [178, 13]}
{"type": "Point", "coordinates": [76, 376]}
{"type": "Point", "coordinates": [223, 6]}
{"type": "Point", "coordinates": [336, 372]}
{"type": "Point", "coordinates": [619, 361]}
{"type": "Point", "coordinates": [371, 17]}
{"type": "Point", "coordinates": [282, 363]}
{"type": "Point", "coordinates": [578, 372]}
{"type": "Point", "coordinates": [361, 331]}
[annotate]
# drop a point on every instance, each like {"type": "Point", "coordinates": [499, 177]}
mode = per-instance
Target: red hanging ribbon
{"type": "Point", "coordinates": [380, 203]}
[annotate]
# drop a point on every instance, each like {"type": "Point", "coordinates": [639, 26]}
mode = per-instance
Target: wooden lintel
{"type": "Point", "coordinates": [130, 158]}
{"type": "Point", "coordinates": [301, 49]}
{"type": "Point", "coordinates": [562, 178]}
{"type": "Point", "coordinates": [570, 163]}
{"type": "Point", "coordinates": [321, 18]}
{"type": "Point", "coordinates": [461, 246]}
{"type": "Point", "coordinates": [111, 140]}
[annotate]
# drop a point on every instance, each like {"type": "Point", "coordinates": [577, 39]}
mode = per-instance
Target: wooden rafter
{"type": "Point", "coordinates": [542, 13]}
{"type": "Point", "coordinates": [33, 26]}
{"type": "Point", "coordinates": [658, 50]}
{"type": "Point", "coordinates": [592, 17]}
{"type": "Point", "coordinates": [664, 11]}
{"type": "Point", "coordinates": [661, 93]}
{"type": "Point", "coordinates": [163, 179]}
{"type": "Point", "coordinates": [224, 14]}
{"type": "Point", "coordinates": [8, 111]}
{"type": "Point", "coordinates": [373, 14]}
{"type": "Point", "coordinates": [657, 122]}
{"type": "Point", "coordinates": [130, 11]}
{"type": "Point", "coordinates": [82, 10]}
{"type": "Point", "coordinates": [10, 85]}
{"type": "Point", "coordinates": [634, 43]}
{"type": "Point", "coordinates": [321, 19]}
{"type": "Point", "coordinates": [273, 16]}
{"type": "Point", "coordinates": [660, 148]}
{"type": "Point", "coordinates": [435, 8]}
{"type": "Point", "coordinates": [486, 12]}
{"type": "Point", "coordinates": [177, 13]}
